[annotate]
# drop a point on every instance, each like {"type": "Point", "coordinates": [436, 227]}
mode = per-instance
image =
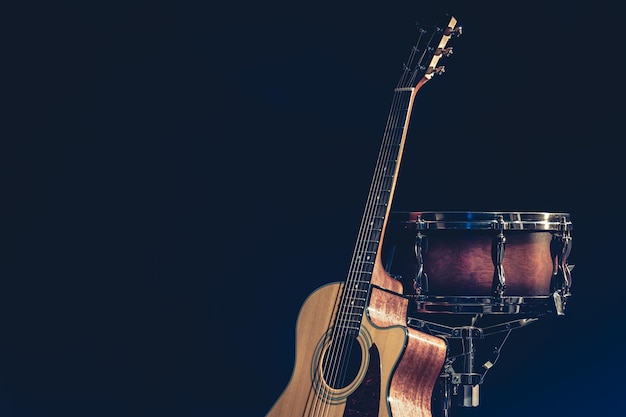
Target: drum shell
{"type": "Point", "coordinates": [459, 262]}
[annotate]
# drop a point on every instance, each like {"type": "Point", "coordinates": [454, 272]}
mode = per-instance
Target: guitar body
{"type": "Point", "coordinates": [394, 373]}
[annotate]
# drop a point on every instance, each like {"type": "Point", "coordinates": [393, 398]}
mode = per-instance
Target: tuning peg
{"type": "Point", "coordinates": [445, 52]}
{"type": "Point", "coordinates": [436, 71]}
{"type": "Point", "coordinates": [456, 32]}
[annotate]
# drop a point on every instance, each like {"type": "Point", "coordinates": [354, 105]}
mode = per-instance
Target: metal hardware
{"type": "Point", "coordinates": [420, 282]}
{"type": "Point", "coordinates": [497, 256]}
{"type": "Point", "coordinates": [464, 384]}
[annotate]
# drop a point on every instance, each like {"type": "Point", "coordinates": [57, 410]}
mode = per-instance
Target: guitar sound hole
{"type": "Point", "coordinates": [342, 362]}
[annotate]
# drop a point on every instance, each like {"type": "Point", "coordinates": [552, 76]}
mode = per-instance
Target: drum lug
{"type": "Point", "coordinates": [560, 248]}
{"type": "Point", "coordinates": [420, 282]}
{"type": "Point", "coordinates": [497, 256]}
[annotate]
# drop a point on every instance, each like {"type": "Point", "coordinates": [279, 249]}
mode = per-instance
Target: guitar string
{"type": "Point", "coordinates": [314, 403]}
{"type": "Point", "coordinates": [383, 183]}
{"type": "Point", "coordinates": [351, 288]}
{"type": "Point", "coordinates": [389, 148]}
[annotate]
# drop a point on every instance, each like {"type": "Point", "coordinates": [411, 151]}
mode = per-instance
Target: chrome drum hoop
{"type": "Point", "coordinates": [522, 305]}
{"type": "Point", "coordinates": [484, 220]}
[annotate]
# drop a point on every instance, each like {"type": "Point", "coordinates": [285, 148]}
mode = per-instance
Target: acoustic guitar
{"type": "Point", "coordinates": [355, 355]}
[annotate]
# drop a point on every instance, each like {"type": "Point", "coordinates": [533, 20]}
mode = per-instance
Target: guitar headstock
{"type": "Point", "coordinates": [428, 51]}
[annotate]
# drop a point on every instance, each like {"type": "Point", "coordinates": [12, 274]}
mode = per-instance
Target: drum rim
{"type": "Point", "coordinates": [512, 304]}
{"type": "Point", "coordinates": [483, 220]}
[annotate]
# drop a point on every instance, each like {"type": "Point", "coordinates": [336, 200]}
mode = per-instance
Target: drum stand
{"type": "Point", "coordinates": [464, 383]}
{"type": "Point", "coordinates": [459, 382]}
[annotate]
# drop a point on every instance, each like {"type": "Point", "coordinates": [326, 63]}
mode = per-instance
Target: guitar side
{"type": "Point", "coordinates": [397, 371]}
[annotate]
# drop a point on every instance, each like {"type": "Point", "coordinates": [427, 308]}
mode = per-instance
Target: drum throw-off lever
{"type": "Point", "coordinates": [497, 256]}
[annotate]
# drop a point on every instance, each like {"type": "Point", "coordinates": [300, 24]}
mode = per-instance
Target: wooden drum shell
{"type": "Point", "coordinates": [459, 263]}
{"type": "Point", "coordinates": [458, 257]}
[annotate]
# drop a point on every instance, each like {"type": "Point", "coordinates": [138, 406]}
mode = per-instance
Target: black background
{"type": "Point", "coordinates": [178, 176]}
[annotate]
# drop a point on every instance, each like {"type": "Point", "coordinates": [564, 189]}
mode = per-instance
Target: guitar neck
{"type": "Point", "coordinates": [383, 183]}
{"type": "Point", "coordinates": [421, 66]}
{"type": "Point", "coordinates": [380, 196]}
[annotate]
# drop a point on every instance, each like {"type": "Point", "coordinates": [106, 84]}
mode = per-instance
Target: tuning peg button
{"type": "Point", "coordinates": [445, 51]}
{"type": "Point", "coordinates": [436, 71]}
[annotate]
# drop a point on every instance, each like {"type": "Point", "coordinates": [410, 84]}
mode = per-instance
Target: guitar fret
{"type": "Point", "coordinates": [359, 290]}
{"type": "Point", "coordinates": [364, 282]}
{"type": "Point", "coordinates": [361, 285]}
{"type": "Point", "coordinates": [368, 250]}
{"type": "Point", "coordinates": [365, 269]}
{"type": "Point", "coordinates": [356, 315]}
{"type": "Point", "coordinates": [349, 316]}
{"type": "Point", "coordinates": [354, 311]}
{"type": "Point", "coordinates": [359, 307]}
{"type": "Point", "coordinates": [356, 327]}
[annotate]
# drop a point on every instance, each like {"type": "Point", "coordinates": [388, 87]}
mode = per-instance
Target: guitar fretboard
{"type": "Point", "coordinates": [356, 291]}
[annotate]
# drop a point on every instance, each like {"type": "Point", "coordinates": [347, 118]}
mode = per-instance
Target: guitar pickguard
{"type": "Point", "coordinates": [364, 401]}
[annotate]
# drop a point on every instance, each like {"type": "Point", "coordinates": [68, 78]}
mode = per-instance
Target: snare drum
{"type": "Point", "coordinates": [481, 262]}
